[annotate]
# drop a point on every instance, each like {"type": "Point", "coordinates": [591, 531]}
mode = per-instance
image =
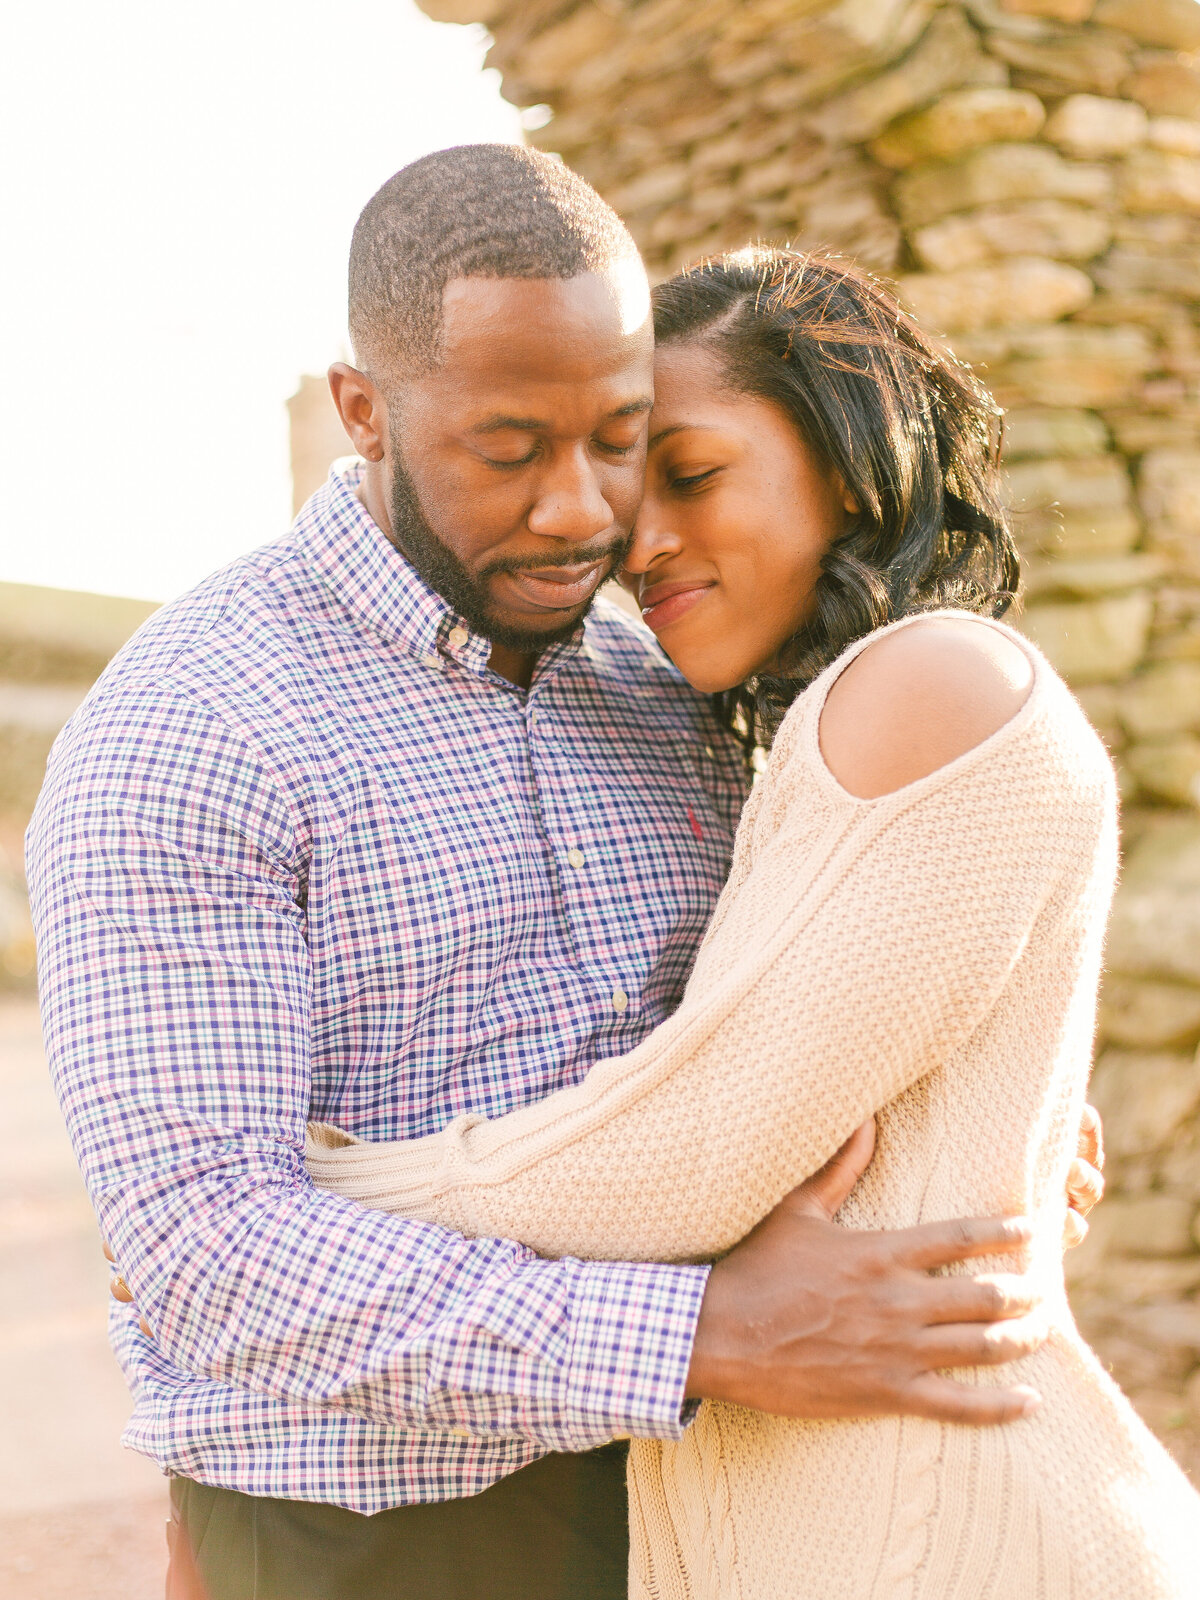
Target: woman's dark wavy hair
{"type": "Point", "coordinates": [911, 433]}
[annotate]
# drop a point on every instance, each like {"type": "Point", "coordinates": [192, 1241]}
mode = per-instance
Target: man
{"type": "Point", "coordinates": [371, 826]}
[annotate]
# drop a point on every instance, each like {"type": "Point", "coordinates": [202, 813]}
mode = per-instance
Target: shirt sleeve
{"type": "Point", "coordinates": [167, 875]}
{"type": "Point", "coordinates": [835, 978]}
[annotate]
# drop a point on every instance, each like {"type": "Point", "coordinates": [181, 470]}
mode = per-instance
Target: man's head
{"type": "Point", "coordinates": [500, 319]}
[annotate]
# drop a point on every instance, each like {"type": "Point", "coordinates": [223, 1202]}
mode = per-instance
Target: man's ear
{"type": "Point", "coordinates": [362, 409]}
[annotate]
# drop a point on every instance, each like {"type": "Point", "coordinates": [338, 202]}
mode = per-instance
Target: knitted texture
{"type": "Point", "coordinates": [932, 956]}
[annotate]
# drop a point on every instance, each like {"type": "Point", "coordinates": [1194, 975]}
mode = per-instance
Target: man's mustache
{"type": "Point", "coordinates": [565, 558]}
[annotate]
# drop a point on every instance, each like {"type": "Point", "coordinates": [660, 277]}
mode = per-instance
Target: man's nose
{"type": "Point", "coordinates": [571, 503]}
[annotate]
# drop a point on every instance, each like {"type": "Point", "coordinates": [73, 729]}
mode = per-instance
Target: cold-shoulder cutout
{"type": "Point", "coordinates": [918, 698]}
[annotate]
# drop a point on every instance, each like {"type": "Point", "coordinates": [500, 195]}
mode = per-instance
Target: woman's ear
{"type": "Point", "coordinates": [849, 502]}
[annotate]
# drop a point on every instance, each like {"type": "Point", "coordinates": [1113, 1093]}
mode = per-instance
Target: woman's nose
{"type": "Point", "coordinates": [653, 539]}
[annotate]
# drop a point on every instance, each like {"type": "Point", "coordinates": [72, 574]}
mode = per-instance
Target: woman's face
{"type": "Point", "coordinates": [737, 515]}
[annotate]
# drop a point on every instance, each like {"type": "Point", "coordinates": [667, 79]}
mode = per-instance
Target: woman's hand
{"type": "Point", "coordinates": [1085, 1180]}
{"type": "Point", "coordinates": [119, 1289]}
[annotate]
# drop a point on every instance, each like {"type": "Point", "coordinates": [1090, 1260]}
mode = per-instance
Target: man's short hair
{"type": "Point", "coordinates": [474, 211]}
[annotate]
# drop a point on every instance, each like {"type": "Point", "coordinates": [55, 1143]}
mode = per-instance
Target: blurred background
{"type": "Point", "coordinates": [182, 189]}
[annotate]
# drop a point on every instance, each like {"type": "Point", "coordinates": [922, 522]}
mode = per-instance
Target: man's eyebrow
{"type": "Point", "coordinates": [501, 422]}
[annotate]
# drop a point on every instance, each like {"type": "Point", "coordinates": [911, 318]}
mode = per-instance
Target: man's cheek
{"type": "Point", "coordinates": [624, 496]}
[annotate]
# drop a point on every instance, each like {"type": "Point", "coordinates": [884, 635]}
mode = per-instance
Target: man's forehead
{"type": "Point", "coordinates": [602, 315]}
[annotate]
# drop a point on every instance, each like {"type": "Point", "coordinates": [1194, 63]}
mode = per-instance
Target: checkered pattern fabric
{"type": "Point", "coordinates": [302, 853]}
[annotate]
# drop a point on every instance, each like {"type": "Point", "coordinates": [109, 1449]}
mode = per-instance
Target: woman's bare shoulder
{"type": "Point", "coordinates": [917, 699]}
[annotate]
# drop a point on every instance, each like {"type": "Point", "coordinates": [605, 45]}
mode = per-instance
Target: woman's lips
{"type": "Point", "coordinates": [670, 602]}
{"type": "Point", "coordinates": [557, 588]}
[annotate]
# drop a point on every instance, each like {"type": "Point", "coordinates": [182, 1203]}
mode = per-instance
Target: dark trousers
{"type": "Point", "coordinates": [556, 1530]}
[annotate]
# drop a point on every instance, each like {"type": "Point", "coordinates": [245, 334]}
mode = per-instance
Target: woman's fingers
{"type": "Point", "coordinates": [1091, 1138]}
{"type": "Point", "coordinates": [119, 1289]}
{"type": "Point", "coordinates": [1085, 1185]}
{"type": "Point", "coordinates": [1075, 1230]}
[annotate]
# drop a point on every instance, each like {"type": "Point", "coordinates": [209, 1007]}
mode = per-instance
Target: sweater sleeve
{"type": "Point", "coordinates": [828, 987]}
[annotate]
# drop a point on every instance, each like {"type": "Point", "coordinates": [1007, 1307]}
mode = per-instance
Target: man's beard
{"type": "Point", "coordinates": [465, 591]}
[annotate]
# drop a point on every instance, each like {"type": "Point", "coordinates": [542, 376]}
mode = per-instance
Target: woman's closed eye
{"type": "Point", "coordinates": [690, 480]}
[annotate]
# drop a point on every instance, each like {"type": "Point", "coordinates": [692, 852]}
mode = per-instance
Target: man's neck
{"type": "Point", "coordinates": [511, 664]}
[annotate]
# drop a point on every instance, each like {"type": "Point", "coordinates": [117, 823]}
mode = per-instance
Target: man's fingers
{"type": "Point", "coordinates": [119, 1289]}
{"type": "Point", "coordinates": [1091, 1138]}
{"type": "Point", "coordinates": [938, 1244]}
{"type": "Point", "coordinates": [995, 1298]}
{"type": "Point", "coordinates": [1085, 1185]}
{"type": "Point", "coordinates": [824, 1193]}
{"type": "Point", "coordinates": [943, 1400]}
{"type": "Point", "coordinates": [977, 1344]}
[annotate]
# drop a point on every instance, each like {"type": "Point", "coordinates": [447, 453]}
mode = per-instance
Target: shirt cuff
{"type": "Point", "coordinates": [635, 1326]}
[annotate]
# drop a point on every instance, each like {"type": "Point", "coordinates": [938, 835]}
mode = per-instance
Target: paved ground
{"type": "Point", "coordinates": [80, 1518]}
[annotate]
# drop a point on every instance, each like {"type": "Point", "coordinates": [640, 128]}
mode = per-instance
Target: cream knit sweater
{"type": "Point", "coordinates": [931, 956]}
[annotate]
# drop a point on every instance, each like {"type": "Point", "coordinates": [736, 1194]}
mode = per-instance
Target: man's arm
{"type": "Point", "coordinates": [165, 867]}
{"type": "Point", "coordinates": [881, 1350]}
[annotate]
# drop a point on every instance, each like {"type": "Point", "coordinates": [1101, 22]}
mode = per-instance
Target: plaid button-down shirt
{"type": "Point", "coordinates": [302, 853]}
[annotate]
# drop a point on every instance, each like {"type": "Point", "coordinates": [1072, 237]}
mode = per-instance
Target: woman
{"type": "Point", "coordinates": [912, 927]}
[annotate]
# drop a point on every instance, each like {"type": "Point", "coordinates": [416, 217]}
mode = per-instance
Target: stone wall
{"type": "Point", "coordinates": [1028, 173]}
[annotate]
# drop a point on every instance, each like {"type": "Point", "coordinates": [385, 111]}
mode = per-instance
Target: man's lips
{"type": "Point", "coordinates": [664, 603]}
{"type": "Point", "coordinates": [557, 588]}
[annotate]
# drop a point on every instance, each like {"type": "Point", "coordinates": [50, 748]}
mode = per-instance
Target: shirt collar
{"type": "Point", "coordinates": [356, 561]}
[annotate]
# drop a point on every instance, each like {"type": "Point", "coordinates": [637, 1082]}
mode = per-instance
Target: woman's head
{"type": "Point", "coordinates": [817, 468]}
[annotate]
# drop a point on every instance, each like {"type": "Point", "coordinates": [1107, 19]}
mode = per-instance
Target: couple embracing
{"type": "Point", "coordinates": [466, 1072]}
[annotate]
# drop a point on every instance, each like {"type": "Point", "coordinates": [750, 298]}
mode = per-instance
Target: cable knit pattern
{"type": "Point", "coordinates": [931, 955]}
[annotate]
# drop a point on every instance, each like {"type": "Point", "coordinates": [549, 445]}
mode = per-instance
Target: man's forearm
{"type": "Point", "coordinates": [314, 1300]}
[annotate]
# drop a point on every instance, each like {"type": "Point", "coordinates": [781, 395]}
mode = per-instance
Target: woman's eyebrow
{"type": "Point", "coordinates": [681, 427]}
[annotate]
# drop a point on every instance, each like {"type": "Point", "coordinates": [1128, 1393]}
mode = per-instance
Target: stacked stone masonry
{"type": "Point", "coordinates": [1027, 173]}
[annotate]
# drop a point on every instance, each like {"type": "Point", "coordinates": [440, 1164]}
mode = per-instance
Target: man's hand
{"type": "Point", "coordinates": [808, 1319]}
{"type": "Point", "coordinates": [1085, 1181]}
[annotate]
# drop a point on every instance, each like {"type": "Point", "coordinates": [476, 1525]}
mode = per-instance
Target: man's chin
{"type": "Point", "coordinates": [516, 630]}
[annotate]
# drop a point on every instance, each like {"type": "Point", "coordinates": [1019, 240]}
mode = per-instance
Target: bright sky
{"type": "Point", "coordinates": [180, 186]}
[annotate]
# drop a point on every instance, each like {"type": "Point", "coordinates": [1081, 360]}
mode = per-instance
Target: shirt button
{"type": "Point", "coordinates": [458, 637]}
{"type": "Point", "coordinates": [431, 661]}
{"type": "Point", "coordinates": [620, 1000]}
{"type": "Point", "coordinates": [576, 857]}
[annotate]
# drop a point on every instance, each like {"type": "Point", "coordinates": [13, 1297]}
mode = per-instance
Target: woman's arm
{"type": "Point", "coordinates": [853, 983]}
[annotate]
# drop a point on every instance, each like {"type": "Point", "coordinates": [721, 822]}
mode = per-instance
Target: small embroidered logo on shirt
{"type": "Point", "coordinates": [696, 828]}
